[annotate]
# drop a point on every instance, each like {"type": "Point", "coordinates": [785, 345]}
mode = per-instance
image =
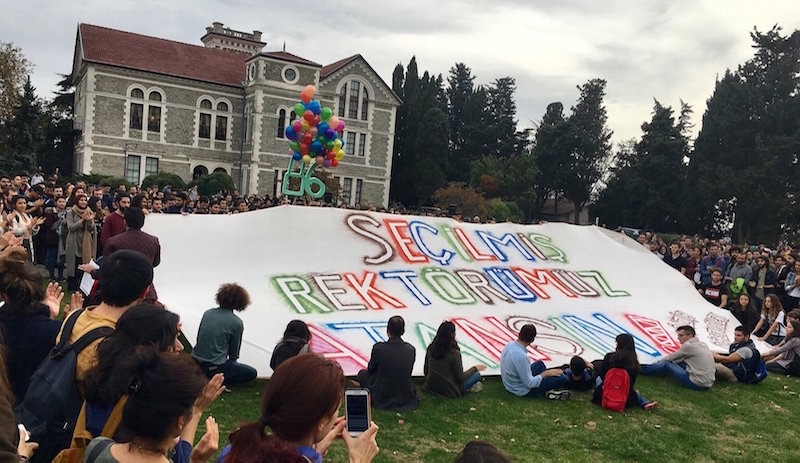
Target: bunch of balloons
{"type": "Point", "coordinates": [315, 134]}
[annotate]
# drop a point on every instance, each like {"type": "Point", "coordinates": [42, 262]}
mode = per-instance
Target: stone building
{"type": "Point", "coordinates": [145, 104]}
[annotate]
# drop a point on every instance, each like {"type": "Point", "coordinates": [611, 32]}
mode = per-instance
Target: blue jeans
{"type": "Point", "coordinates": [235, 372]}
{"type": "Point", "coordinates": [52, 262]}
{"type": "Point", "coordinates": [553, 382]}
{"type": "Point", "coordinates": [472, 380]}
{"type": "Point", "coordinates": [678, 370]}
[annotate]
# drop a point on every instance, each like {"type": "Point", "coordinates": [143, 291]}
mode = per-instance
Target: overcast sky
{"type": "Point", "coordinates": [668, 50]}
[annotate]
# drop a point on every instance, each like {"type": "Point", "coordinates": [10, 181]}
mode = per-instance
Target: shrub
{"type": "Point", "coordinates": [163, 178]}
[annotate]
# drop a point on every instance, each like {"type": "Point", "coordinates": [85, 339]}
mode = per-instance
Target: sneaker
{"type": "Point", "coordinates": [477, 387]}
{"type": "Point", "coordinates": [650, 406]}
{"type": "Point", "coordinates": [226, 389]}
{"type": "Point", "coordinates": [558, 394]}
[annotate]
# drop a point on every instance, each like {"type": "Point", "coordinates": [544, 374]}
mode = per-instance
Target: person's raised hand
{"type": "Point", "coordinates": [208, 444]}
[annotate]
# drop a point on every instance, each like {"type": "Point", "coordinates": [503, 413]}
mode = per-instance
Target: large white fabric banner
{"type": "Point", "coordinates": [346, 272]}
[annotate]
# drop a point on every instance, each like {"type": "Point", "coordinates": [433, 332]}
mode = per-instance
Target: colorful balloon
{"type": "Point", "coordinates": [339, 155]}
{"type": "Point", "coordinates": [333, 122]}
{"type": "Point", "coordinates": [326, 162]}
{"type": "Point", "coordinates": [334, 163]}
{"type": "Point", "coordinates": [297, 156]}
{"type": "Point", "coordinates": [319, 160]}
{"type": "Point", "coordinates": [326, 113]}
{"type": "Point", "coordinates": [299, 109]}
{"type": "Point", "coordinates": [306, 159]}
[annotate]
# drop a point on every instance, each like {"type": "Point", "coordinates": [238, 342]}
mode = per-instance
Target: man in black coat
{"type": "Point", "coordinates": [388, 375]}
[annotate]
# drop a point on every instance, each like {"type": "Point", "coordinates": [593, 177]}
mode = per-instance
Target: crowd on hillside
{"type": "Point", "coordinates": [139, 398]}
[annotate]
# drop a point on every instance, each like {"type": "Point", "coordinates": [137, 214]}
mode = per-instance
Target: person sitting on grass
{"type": "Point", "coordinates": [771, 328]}
{"type": "Point", "coordinates": [740, 360]}
{"type": "Point", "coordinates": [219, 337]}
{"type": "Point", "coordinates": [480, 451]}
{"type": "Point", "coordinates": [444, 371]}
{"type": "Point", "coordinates": [580, 374]}
{"type": "Point", "coordinates": [693, 364]}
{"type": "Point", "coordinates": [623, 357]}
{"type": "Point", "coordinates": [525, 379]}
{"type": "Point", "coordinates": [388, 375]}
{"type": "Point", "coordinates": [300, 418]}
{"type": "Point", "coordinates": [296, 340]}
{"type": "Point", "coordinates": [781, 358]}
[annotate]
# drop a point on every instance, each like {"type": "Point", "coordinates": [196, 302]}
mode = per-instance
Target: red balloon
{"type": "Point", "coordinates": [334, 162]}
{"type": "Point", "coordinates": [308, 115]}
{"type": "Point", "coordinates": [304, 148]}
{"type": "Point", "coordinates": [307, 138]}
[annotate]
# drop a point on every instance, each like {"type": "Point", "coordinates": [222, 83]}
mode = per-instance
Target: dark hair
{"type": "Point", "coordinates": [93, 202]}
{"type": "Point", "coordinates": [120, 195]}
{"type": "Point", "coordinates": [396, 326]}
{"type": "Point", "coordinates": [297, 329]}
{"type": "Point", "coordinates": [17, 198]}
{"type": "Point", "coordinates": [777, 306]}
{"type": "Point", "coordinates": [794, 313]}
{"type": "Point", "coordinates": [689, 329]}
{"type": "Point", "coordinates": [577, 365]}
{"type": "Point", "coordinates": [742, 330]}
{"type": "Point", "coordinates": [796, 329]}
{"type": "Point", "coordinates": [444, 341]}
{"type": "Point", "coordinates": [527, 333]}
{"type": "Point", "coordinates": [140, 325]}
{"type": "Point", "coordinates": [124, 277]}
{"type": "Point", "coordinates": [481, 452]}
{"type": "Point", "coordinates": [292, 407]}
{"type": "Point", "coordinates": [162, 388]}
{"type": "Point", "coordinates": [232, 296]}
{"type": "Point", "coordinates": [134, 218]}
{"type": "Point", "coordinates": [21, 282]}
{"type": "Point", "coordinates": [625, 354]}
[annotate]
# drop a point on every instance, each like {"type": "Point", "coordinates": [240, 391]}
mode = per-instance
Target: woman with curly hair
{"type": "Point", "coordinates": [219, 337]}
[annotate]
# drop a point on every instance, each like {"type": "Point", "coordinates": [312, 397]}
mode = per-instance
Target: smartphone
{"type": "Point", "coordinates": [357, 411]}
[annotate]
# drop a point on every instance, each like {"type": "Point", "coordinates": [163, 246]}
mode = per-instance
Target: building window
{"type": "Point", "coordinates": [281, 124]}
{"type": "Point", "coordinates": [135, 171]}
{"type": "Point", "coordinates": [362, 144]}
{"type": "Point", "coordinates": [347, 185]}
{"type": "Point", "coordinates": [211, 121]}
{"type": "Point", "coordinates": [137, 109]}
{"type": "Point", "coordinates": [350, 143]}
{"type": "Point", "coordinates": [222, 128]}
{"type": "Point", "coordinates": [205, 126]}
{"type": "Point", "coordinates": [342, 100]}
{"type": "Point", "coordinates": [154, 119]}
{"type": "Point", "coordinates": [355, 90]}
{"type": "Point", "coordinates": [137, 113]}
{"type": "Point", "coordinates": [354, 100]}
{"type": "Point", "coordinates": [364, 104]}
{"type": "Point", "coordinates": [359, 184]}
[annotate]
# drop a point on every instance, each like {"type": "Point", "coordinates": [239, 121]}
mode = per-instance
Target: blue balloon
{"type": "Point", "coordinates": [314, 106]}
{"type": "Point", "coordinates": [290, 134]}
{"type": "Point", "coordinates": [297, 156]}
{"type": "Point", "coordinates": [316, 146]}
{"type": "Point", "coordinates": [323, 127]}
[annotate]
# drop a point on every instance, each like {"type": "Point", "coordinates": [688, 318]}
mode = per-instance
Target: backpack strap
{"type": "Point", "coordinates": [98, 449]}
{"type": "Point", "coordinates": [66, 332]}
{"type": "Point", "coordinates": [115, 418]}
{"type": "Point", "coordinates": [91, 336]}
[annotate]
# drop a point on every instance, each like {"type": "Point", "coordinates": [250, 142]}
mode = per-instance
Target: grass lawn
{"type": "Point", "coordinates": [732, 422]}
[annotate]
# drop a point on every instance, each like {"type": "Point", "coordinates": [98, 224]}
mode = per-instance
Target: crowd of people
{"type": "Point", "coordinates": [142, 399]}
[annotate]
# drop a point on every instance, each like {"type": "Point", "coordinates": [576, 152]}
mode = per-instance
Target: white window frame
{"type": "Point", "coordinates": [143, 158]}
{"type": "Point", "coordinates": [214, 112]}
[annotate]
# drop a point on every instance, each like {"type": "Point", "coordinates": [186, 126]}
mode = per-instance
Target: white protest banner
{"type": "Point", "coordinates": [346, 272]}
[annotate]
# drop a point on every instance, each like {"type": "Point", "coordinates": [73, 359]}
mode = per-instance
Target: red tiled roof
{"type": "Point", "coordinates": [333, 67]}
{"type": "Point", "coordinates": [133, 51]}
{"type": "Point", "coordinates": [286, 56]}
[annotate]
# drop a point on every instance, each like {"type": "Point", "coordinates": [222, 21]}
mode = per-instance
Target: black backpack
{"type": "Point", "coordinates": [752, 370]}
{"type": "Point", "coordinates": [52, 403]}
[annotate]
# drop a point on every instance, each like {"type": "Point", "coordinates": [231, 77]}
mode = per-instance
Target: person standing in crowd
{"type": "Point", "coordinates": [55, 226]}
{"type": "Point", "coordinates": [715, 291]}
{"type": "Point", "coordinates": [792, 287]}
{"type": "Point", "coordinates": [693, 364]}
{"type": "Point", "coordinates": [525, 379]}
{"type": "Point", "coordinates": [712, 260]}
{"type": "Point", "coordinates": [763, 281]}
{"type": "Point", "coordinates": [114, 224]}
{"type": "Point", "coordinates": [219, 337]}
{"type": "Point", "coordinates": [23, 225]}
{"type": "Point", "coordinates": [81, 240]}
{"type": "Point", "coordinates": [444, 371]}
{"type": "Point", "coordinates": [388, 375]}
{"type": "Point", "coordinates": [674, 258]}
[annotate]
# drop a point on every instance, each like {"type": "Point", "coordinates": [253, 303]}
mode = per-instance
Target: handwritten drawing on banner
{"type": "Point", "coordinates": [346, 272]}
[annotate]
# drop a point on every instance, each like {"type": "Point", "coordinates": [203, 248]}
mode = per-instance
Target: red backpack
{"type": "Point", "coordinates": [616, 386]}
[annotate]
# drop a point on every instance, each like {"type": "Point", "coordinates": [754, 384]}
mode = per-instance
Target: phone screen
{"type": "Point", "coordinates": [357, 412]}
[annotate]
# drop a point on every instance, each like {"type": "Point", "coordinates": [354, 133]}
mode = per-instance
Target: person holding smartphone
{"type": "Point", "coordinates": [300, 417]}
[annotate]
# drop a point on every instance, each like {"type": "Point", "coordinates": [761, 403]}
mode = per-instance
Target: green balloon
{"type": "Point", "coordinates": [326, 114]}
{"type": "Point", "coordinates": [299, 109]}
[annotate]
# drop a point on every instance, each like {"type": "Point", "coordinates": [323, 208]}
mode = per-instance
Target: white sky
{"type": "Point", "coordinates": [645, 49]}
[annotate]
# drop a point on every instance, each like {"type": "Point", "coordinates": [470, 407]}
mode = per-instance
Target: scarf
{"type": "Point", "coordinates": [89, 243]}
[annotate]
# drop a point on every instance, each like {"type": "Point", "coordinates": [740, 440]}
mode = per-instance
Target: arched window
{"type": "Point", "coordinates": [154, 113]}
{"type": "Point", "coordinates": [137, 93]}
{"type": "Point", "coordinates": [136, 109]}
{"type": "Point", "coordinates": [281, 124]}
{"type": "Point", "coordinates": [222, 106]}
{"type": "Point", "coordinates": [354, 100]}
{"type": "Point", "coordinates": [213, 121]}
{"type": "Point", "coordinates": [205, 104]}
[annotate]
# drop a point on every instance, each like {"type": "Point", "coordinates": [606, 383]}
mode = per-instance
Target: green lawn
{"type": "Point", "coordinates": [732, 422]}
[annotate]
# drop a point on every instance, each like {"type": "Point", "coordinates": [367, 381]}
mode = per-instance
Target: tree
{"type": "Point", "coordinates": [23, 134]}
{"type": "Point", "coordinates": [59, 147]}
{"type": "Point", "coordinates": [502, 112]}
{"type": "Point", "coordinates": [551, 151]}
{"type": "Point", "coordinates": [590, 138]}
{"type": "Point", "coordinates": [162, 179]}
{"type": "Point", "coordinates": [745, 157]}
{"type": "Point", "coordinates": [209, 185]}
{"type": "Point", "coordinates": [14, 69]}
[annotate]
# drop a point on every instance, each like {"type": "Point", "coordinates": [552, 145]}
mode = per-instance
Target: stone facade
{"type": "Point", "coordinates": [136, 122]}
